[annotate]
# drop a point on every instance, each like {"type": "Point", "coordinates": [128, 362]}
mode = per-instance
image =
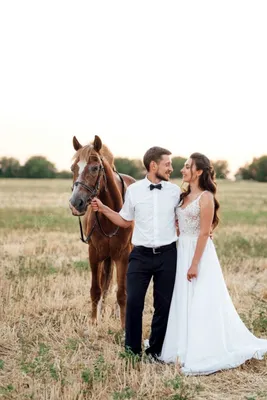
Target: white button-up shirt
{"type": "Point", "coordinates": [153, 212]}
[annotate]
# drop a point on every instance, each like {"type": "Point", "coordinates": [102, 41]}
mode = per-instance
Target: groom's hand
{"type": "Point", "coordinates": [97, 205]}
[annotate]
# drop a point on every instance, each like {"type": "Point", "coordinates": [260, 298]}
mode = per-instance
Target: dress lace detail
{"type": "Point", "coordinates": [189, 218]}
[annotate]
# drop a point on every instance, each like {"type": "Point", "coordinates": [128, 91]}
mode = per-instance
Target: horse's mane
{"type": "Point", "coordinates": [85, 152]}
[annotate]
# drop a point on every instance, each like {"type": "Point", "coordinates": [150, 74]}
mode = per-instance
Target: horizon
{"type": "Point", "coordinates": [22, 161]}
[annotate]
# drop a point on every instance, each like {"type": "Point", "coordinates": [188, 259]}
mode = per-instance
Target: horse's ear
{"type": "Point", "coordinates": [97, 143]}
{"type": "Point", "coordinates": [76, 143]}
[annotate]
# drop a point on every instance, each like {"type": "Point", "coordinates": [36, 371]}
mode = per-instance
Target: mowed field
{"type": "Point", "coordinates": [48, 346]}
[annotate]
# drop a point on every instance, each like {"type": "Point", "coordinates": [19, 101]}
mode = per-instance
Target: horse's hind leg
{"type": "Point", "coordinates": [122, 265]}
{"type": "Point", "coordinates": [106, 276]}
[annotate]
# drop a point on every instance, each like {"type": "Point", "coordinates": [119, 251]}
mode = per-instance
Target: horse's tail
{"type": "Point", "coordinates": [106, 276]}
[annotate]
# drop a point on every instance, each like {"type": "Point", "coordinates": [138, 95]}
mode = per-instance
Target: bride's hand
{"type": "Point", "coordinates": [192, 273]}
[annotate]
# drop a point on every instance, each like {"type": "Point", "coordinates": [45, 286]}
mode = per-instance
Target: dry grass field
{"type": "Point", "coordinates": [48, 347]}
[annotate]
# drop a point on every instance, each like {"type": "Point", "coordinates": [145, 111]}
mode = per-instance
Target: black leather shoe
{"type": "Point", "coordinates": [152, 359]}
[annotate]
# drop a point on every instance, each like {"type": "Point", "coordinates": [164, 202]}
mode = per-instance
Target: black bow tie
{"type": "Point", "coordinates": [158, 186]}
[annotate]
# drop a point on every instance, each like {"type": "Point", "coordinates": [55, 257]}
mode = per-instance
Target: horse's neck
{"type": "Point", "coordinates": [112, 196]}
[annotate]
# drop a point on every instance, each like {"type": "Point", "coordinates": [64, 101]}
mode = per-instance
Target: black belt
{"type": "Point", "coordinates": [156, 250]}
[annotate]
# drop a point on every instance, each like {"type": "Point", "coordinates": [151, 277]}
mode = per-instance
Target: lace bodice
{"type": "Point", "coordinates": [189, 218]}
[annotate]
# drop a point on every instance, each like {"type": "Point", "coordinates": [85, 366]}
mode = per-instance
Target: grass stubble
{"type": "Point", "coordinates": [48, 347]}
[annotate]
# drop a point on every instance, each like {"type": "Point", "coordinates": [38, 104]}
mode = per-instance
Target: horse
{"type": "Point", "coordinates": [94, 175]}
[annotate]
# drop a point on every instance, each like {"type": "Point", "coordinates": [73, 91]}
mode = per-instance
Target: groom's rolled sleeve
{"type": "Point", "coordinates": [127, 211]}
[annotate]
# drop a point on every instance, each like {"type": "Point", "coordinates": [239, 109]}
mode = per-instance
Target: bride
{"type": "Point", "coordinates": [204, 333]}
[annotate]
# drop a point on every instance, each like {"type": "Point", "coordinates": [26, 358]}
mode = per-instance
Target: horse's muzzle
{"type": "Point", "coordinates": [75, 212]}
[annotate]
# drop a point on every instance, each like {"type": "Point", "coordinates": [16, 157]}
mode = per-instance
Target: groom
{"type": "Point", "coordinates": [151, 204]}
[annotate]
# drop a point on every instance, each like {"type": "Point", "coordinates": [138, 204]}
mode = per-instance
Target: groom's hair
{"type": "Point", "coordinates": [154, 154]}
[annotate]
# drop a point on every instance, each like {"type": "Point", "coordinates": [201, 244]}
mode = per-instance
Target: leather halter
{"type": "Point", "coordinates": [94, 191]}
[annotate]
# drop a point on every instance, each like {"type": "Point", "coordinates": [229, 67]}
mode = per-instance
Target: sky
{"type": "Point", "coordinates": [186, 75]}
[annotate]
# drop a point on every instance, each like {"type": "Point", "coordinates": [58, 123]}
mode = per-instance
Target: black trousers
{"type": "Point", "coordinates": [143, 265]}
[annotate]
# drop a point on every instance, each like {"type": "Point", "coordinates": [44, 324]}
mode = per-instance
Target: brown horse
{"type": "Point", "coordinates": [94, 174]}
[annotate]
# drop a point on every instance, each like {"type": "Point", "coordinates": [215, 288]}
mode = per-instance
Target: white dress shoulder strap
{"type": "Point", "coordinates": [204, 191]}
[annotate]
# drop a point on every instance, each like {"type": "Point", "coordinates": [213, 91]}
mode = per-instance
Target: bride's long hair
{"type": "Point", "coordinates": [206, 181]}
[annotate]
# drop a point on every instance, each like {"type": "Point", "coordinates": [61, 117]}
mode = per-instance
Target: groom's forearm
{"type": "Point", "coordinates": [115, 217]}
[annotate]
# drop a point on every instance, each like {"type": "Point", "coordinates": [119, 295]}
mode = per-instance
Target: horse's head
{"type": "Point", "coordinates": [88, 175]}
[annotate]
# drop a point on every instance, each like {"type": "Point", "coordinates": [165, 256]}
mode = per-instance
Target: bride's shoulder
{"type": "Point", "coordinates": [206, 198]}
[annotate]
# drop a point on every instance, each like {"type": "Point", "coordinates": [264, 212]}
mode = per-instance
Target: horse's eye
{"type": "Point", "coordinates": [94, 168]}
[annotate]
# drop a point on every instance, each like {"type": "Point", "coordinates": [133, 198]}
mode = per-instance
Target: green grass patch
{"type": "Point", "coordinates": [72, 344]}
{"type": "Point", "coordinates": [183, 391]}
{"type": "Point", "coordinates": [41, 364]}
{"type": "Point", "coordinates": [126, 393]}
{"type": "Point", "coordinates": [82, 265]}
{"type": "Point", "coordinates": [236, 245]}
{"type": "Point", "coordinates": [57, 219]}
{"type": "Point", "coordinates": [6, 390]}
{"type": "Point", "coordinates": [98, 373]}
{"type": "Point", "coordinates": [30, 266]}
{"type": "Point", "coordinates": [248, 217]}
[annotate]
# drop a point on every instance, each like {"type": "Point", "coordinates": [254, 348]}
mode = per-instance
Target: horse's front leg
{"type": "Point", "coordinates": [122, 266]}
{"type": "Point", "coordinates": [95, 290]}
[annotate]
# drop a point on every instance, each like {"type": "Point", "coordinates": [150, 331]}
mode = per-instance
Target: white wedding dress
{"type": "Point", "coordinates": [204, 333]}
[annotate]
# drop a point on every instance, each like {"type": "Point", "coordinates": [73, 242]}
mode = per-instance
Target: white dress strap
{"type": "Point", "coordinates": [201, 194]}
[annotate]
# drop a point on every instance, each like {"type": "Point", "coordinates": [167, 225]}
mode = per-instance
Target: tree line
{"type": "Point", "coordinates": [37, 167]}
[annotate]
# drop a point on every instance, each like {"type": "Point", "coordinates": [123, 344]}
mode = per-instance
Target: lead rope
{"type": "Point", "coordinates": [88, 237]}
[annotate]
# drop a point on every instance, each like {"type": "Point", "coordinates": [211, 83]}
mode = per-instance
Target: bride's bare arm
{"type": "Point", "coordinates": [206, 217]}
{"type": "Point", "coordinates": [177, 227]}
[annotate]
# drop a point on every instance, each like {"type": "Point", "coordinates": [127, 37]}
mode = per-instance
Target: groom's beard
{"type": "Point", "coordinates": [161, 178]}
